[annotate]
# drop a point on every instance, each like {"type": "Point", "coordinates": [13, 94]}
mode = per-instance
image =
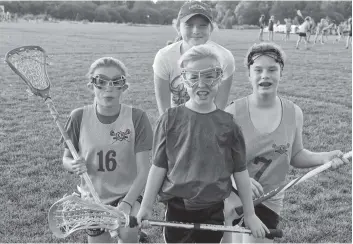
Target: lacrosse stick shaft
{"type": "Point", "coordinates": [71, 147]}
{"type": "Point", "coordinates": [314, 172]}
{"type": "Point", "coordinates": [197, 226]}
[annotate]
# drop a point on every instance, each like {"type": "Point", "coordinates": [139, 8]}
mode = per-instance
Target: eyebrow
{"type": "Point", "coordinates": [272, 66]}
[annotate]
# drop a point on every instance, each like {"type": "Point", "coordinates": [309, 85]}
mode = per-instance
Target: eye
{"type": "Point", "coordinates": [100, 81]}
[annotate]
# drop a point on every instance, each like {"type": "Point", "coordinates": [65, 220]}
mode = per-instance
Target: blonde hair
{"type": "Point", "coordinates": [198, 52]}
{"type": "Point", "coordinates": [107, 62]}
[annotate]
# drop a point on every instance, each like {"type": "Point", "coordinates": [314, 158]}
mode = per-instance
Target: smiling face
{"type": "Point", "coordinates": [108, 97]}
{"type": "Point", "coordinates": [264, 75]}
{"type": "Point", "coordinates": [196, 30]}
{"type": "Point", "coordinates": [202, 95]}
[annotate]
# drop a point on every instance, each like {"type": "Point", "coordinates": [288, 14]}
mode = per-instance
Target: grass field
{"type": "Point", "coordinates": [32, 178]}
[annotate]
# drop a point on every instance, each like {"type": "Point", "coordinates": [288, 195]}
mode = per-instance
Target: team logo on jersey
{"type": "Point", "coordinates": [281, 149]}
{"type": "Point", "coordinates": [120, 135]}
{"type": "Point", "coordinates": [179, 92]}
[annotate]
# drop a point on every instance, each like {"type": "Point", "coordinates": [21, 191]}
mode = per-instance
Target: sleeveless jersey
{"type": "Point", "coordinates": [268, 155]}
{"type": "Point", "coordinates": [109, 152]}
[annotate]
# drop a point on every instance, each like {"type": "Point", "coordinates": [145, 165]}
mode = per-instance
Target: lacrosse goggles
{"type": "Point", "coordinates": [210, 77]}
{"type": "Point", "coordinates": [101, 81]}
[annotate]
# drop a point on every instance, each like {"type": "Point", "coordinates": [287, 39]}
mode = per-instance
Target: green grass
{"type": "Point", "coordinates": [32, 176]}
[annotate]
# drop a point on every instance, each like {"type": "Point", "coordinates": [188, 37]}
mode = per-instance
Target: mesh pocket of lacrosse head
{"type": "Point", "coordinates": [72, 213]}
{"type": "Point", "coordinates": [29, 63]}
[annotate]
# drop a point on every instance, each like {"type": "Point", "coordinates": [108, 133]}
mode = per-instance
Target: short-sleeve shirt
{"type": "Point", "coordinates": [166, 67]}
{"type": "Point", "coordinates": [262, 23]}
{"type": "Point", "coordinates": [109, 145]}
{"type": "Point", "coordinates": [200, 153]}
{"type": "Point", "coordinates": [268, 155]}
{"type": "Point", "coordinates": [305, 27]}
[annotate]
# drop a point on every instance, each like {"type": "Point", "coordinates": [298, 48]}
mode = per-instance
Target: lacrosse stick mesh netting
{"type": "Point", "coordinates": [72, 213]}
{"type": "Point", "coordinates": [31, 64]}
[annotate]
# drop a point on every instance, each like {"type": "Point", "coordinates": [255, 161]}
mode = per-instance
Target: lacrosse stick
{"type": "Point", "coordinates": [72, 213]}
{"type": "Point", "coordinates": [238, 205]}
{"type": "Point", "coordinates": [299, 13]}
{"type": "Point", "coordinates": [29, 62]}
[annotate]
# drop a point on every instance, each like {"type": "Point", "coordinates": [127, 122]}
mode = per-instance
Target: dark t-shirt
{"type": "Point", "coordinates": [200, 153]}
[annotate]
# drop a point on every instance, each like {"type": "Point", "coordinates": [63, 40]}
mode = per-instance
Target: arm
{"type": "Point", "coordinates": [154, 182]}
{"type": "Point", "coordinates": [303, 158]}
{"type": "Point", "coordinates": [72, 128]}
{"type": "Point", "coordinates": [242, 181]}
{"type": "Point", "coordinates": [161, 88]}
{"type": "Point", "coordinates": [142, 162]}
{"type": "Point", "coordinates": [221, 99]}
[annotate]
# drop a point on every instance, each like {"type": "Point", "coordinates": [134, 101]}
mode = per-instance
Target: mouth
{"type": "Point", "coordinates": [265, 84]}
{"type": "Point", "coordinates": [202, 94]}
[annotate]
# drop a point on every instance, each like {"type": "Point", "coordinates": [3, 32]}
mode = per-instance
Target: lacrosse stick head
{"type": "Point", "coordinates": [29, 62]}
{"type": "Point", "coordinates": [72, 213]}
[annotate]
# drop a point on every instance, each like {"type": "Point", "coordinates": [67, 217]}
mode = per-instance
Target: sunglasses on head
{"type": "Point", "coordinates": [210, 76]}
{"type": "Point", "coordinates": [101, 81]}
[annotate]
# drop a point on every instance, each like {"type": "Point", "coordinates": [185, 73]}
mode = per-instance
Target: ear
{"type": "Point", "coordinates": [126, 86]}
{"type": "Point", "coordinates": [90, 86]}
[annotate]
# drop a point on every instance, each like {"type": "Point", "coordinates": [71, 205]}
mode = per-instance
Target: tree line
{"type": "Point", "coordinates": [226, 13]}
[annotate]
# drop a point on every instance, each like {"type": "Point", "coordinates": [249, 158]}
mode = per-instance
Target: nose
{"type": "Point", "coordinates": [264, 74]}
{"type": "Point", "coordinates": [195, 29]}
{"type": "Point", "coordinates": [202, 84]}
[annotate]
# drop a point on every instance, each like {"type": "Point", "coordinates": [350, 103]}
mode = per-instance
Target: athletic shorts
{"type": "Point", "coordinates": [175, 211]}
{"type": "Point", "coordinates": [266, 215]}
{"type": "Point", "coordinates": [270, 28]}
{"type": "Point", "coordinates": [98, 232]}
{"type": "Point", "coordinates": [302, 34]}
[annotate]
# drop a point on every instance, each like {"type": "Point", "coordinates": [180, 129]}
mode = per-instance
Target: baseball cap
{"type": "Point", "coordinates": [190, 9]}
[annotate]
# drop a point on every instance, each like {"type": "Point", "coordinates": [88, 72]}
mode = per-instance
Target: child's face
{"type": "Point", "coordinates": [264, 75]}
{"type": "Point", "coordinates": [201, 93]}
{"type": "Point", "coordinates": [108, 96]}
{"type": "Point", "coordinates": [196, 30]}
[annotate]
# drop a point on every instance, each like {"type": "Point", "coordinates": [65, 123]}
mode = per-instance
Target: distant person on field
{"type": "Point", "coordinates": [194, 26]}
{"type": "Point", "coordinates": [339, 30]}
{"type": "Point", "coordinates": [319, 30]}
{"type": "Point", "coordinates": [272, 127]}
{"type": "Point", "coordinates": [262, 25]}
{"type": "Point", "coordinates": [271, 23]}
{"type": "Point", "coordinates": [196, 149]}
{"type": "Point", "coordinates": [302, 32]}
{"type": "Point", "coordinates": [288, 23]}
{"type": "Point", "coordinates": [113, 141]}
{"type": "Point", "coordinates": [349, 37]}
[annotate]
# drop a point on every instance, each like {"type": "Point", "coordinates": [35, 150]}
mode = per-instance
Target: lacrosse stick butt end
{"type": "Point", "coordinates": [274, 233]}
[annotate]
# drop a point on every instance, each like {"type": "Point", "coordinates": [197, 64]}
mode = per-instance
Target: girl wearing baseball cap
{"type": "Point", "coordinates": [194, 26]}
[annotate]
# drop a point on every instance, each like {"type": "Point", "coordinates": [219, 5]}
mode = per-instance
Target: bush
{"type": "Point", "coordinates": [125, 14]}
{"type": "Point", "coordinates": [101, 14]}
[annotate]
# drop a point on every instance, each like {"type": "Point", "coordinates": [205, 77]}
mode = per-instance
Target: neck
{"type": "Point", "coordinates": [108, 111]}
{"type": "Point", "coordinates": [263, 101]}
{"type": "Point", "coordinates": [203, 108]}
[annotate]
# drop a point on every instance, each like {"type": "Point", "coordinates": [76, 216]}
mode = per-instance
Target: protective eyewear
{"type": "Point", "coordinates": [101, 81]}
{"type": "Point", "coordinates": [211, 77]}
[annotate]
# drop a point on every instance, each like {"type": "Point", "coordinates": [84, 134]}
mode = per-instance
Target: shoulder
{"type": "Point", "coordinates": [137, 113]}
{"type": "Point", "coordinates": [165, 51]}
{"type": "Point", "coordinates": [76, 114]}
{"type": "Point", "coordinates": [298, 113]}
